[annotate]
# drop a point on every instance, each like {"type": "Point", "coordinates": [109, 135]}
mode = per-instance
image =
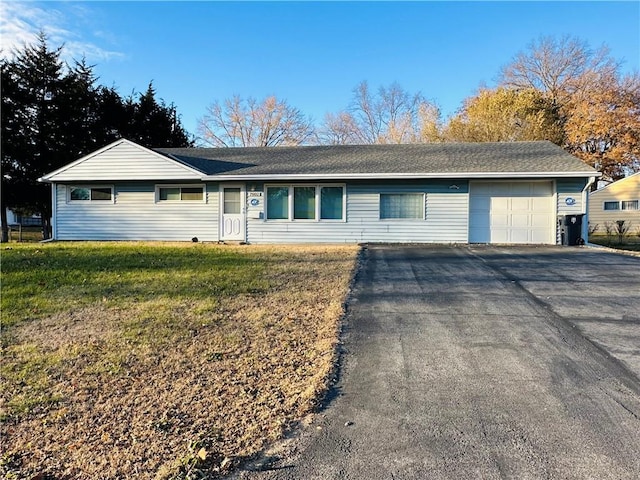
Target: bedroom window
{"type": "Point", "coordinates": [402, 206]}
{"type": "Point", "coordinates": [612, 205]}
{"type": "Point", "coordinates": [305, 202]}
{"type": "Point", "coordinates": [630, 204]}
{"type": "Point", "coordinates": [91, 194]}
{"type": "Point", "coordinates": [176, 193]}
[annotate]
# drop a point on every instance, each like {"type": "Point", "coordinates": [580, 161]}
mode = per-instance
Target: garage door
{"type": "Point", "coordinates": [511, 212]}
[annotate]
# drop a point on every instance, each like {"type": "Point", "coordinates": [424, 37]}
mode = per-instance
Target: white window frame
{"type": "Point", "coordinates": [290, 200]}
{"type": "Point", "coordinates": [622, 206]}
{"type": "Point", "coordinates": [181, 186]}
{"type": "Point", "coordinates": [89, 187]}
{"type": "Point", "coordinates": [424, 208]}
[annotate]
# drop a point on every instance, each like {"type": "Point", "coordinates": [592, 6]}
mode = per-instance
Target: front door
{"type": "Point", "coordinates": [232, 206]}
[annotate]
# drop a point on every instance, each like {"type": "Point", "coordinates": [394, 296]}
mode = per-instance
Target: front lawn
{"type": "Point", "coordinates": [629, 242]}
{"type": "Point", "coordinates": [156, 360]}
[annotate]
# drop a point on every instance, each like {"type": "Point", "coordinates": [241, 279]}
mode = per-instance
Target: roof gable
{"type": "Point", "coordinates": [632, 182]}
{"type": "Point", "coordinates": [123, 160]}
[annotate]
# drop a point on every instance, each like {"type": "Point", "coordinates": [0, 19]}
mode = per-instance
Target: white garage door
{"type": "Point", "coordinates": [511, 212]}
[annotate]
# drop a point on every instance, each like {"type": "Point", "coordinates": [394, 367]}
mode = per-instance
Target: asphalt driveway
{"type": "Point", "coordinates": [480, 362]}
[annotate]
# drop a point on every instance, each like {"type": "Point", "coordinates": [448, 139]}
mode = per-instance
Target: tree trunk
{"type": "Point", "coordinates": [5, 225]}
{"type": "Point", "coordinates": [46, 226]}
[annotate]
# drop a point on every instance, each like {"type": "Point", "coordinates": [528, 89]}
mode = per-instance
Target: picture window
{"type": "Point", "coordinates": [402, 206]}
{"type": "Point", "coordinates": [305, 202]}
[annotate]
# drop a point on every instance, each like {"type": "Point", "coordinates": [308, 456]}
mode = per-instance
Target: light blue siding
{"type": "Point", "coordinates": [125, 161]}
{"type": "Point", "coordinates": [571, 188]}
{"type": "Point", "coordinates": [135, 215]}
{"type": "Point", "coordinates": [446, 214]}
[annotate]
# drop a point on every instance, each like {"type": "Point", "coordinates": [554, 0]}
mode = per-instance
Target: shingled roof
{"type": "Point", "coordinates": [353, 160]}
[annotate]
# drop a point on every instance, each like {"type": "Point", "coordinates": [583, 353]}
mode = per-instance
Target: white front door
{"type": "Point", "coordinates": [233, 212]}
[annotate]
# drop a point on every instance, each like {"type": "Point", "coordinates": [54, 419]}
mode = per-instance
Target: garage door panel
{"type": "Point", "coordinates": [541, 189]}
{"type": "Point", "coordinates": [540, 235]}
{"type": "Point", "coordinates": [500, 235]}
{"type": "Point", "coordinates": [521, 203]}
{"type": "Point", "coordinates": [499, 203]}
{"type": "Point", "coordinates": [498, 220]}
{"type": "Point", "coordinates": [511, 212]}
{"type": "Point", "coordinates": [540, 203]}
{"type": "Point", "coordinates": [519, 236]}
{"type": "Point", "coordinates": [540, 221]}
{"type": "Point", "coordinates": [522, 189]}
{"type": "Point", "coordinates": [520, 221]}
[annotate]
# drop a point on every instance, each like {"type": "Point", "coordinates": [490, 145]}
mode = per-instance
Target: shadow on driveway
{"type": "Point", "coordinates": [481, 362]}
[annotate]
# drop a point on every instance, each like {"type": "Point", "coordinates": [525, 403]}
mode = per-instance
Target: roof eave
{"type": "Point", "coordinates": [397, 176]}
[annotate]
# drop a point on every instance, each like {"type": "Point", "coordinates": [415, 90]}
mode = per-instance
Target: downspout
{"type": "Point", "coordinates": [585, 202]}
{"type": "Point", "coordinates": [54, 211]}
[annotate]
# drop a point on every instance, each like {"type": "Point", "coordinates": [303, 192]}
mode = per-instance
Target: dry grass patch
{"type": "Point", "coordinates": [163, 383]}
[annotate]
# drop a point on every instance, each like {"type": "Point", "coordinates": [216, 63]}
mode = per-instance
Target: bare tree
{"type": "Point", "coordinates": [392, 115]}
{"type": "Point", "coordinates": [248, 123]}
{"type": "Point", "coordinates": [558, 68]}
{"type": "Point", "coordinates": [339, 129]}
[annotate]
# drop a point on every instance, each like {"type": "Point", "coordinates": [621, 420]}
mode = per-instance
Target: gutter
{"type": "Point", "coordinates": [395, 176]}
{"type": "Point", "coordinates": [338, 176]}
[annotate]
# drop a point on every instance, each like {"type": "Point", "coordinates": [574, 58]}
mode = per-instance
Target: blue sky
{"type": "Point", "coordinates": [311, 53]}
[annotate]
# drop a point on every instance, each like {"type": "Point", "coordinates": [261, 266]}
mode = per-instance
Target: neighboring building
{"type": "Point", "coordinates": [441, 193]}
{"type": "Point", "coordinates": [14, 218]}
{"type": "Point", "coordinates": [619, 200]}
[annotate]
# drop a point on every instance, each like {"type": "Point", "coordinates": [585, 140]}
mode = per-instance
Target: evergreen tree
{"type": "Point", "coordinates": [155, 124]}
{"type": "Point", "coordinates": [53, 114]}
{"type": "Point", "coordinates": [30, 146]}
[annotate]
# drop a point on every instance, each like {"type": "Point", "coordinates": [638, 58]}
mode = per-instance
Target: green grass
{"type": "Point", "coordinates": [43, 279]}
{"type": "Point", "coordinates": [629, 242]}
{"type": "Point", "coordinates": [158, 282]}
{"type": "Point", "coordinates": [112, 349]}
